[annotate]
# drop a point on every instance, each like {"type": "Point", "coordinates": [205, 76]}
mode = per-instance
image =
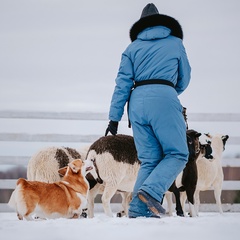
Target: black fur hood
{"type": "Point", "coordinates": [156, 20]}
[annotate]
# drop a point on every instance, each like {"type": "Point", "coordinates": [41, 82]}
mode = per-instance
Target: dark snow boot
{"type": "Point", "coordinates": [153, 205]}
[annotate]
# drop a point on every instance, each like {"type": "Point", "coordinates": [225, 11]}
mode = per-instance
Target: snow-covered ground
{"type": "Point", "coordinates": [209, 225]}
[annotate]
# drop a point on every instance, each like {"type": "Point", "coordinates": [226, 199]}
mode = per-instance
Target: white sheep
{"type": "Point", "coordinates": [210, 173]}
{"type": "Point", "coordinates": [117, 166]}
{"type": "Point", "coordinates": [43, 166]}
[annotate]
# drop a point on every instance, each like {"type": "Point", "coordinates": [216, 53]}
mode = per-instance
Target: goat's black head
{"type": "Point", "coordinates": [193, 144]}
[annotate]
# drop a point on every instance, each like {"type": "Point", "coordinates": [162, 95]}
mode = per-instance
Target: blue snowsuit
{"type": "Point", "coordinates": [155, 112]}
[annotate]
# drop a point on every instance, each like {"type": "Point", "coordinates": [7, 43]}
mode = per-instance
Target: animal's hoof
{"type": "Point", "coordinates": [121, 214]}
{"type": "Point", "coordinates": [84, 215]}
{"type": "Point", "coordinates": [20, 217]}
{"type": "Point", "coordinates": [180, 214]}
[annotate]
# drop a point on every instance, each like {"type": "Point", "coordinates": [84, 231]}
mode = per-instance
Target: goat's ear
{"type": "Point", "coordinates": [198, 134]}
{"type": "Point", "coordinates": [208, 135]}
{"type": "Point", "coordinates": [62, 171]}
{"type": "Point", "coordinates": [225, 137]}
{"type": "Point", "coordinates": [74, 168]}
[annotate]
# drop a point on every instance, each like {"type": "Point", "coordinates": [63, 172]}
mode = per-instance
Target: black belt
{"type": "Point", "coordinates": [146, 82]}
{"type": "Point", "coordinates": [153, 81]}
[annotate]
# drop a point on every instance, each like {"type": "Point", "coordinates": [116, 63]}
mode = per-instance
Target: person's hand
{"type": "Point", "coordinates": [112, 128]}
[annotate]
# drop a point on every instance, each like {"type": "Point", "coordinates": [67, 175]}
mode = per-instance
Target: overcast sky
{"type": "Point", "coordinates": [64, 55]}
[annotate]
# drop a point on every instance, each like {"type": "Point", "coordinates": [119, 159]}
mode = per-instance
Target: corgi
{"type": "Point", "coordinates": [64, 199]}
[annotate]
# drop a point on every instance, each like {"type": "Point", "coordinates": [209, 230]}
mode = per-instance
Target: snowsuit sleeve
{"type": "Point", "coordinates": [124, 84]}
{"type": "Point", "coordinates": [184, 71]}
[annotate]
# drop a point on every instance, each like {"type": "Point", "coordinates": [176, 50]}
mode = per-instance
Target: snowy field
{"type": "Point", "coordinates": [209, 225]}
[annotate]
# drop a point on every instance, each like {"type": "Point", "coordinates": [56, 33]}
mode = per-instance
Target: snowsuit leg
{"type": "Point", "coordinates": [159, 133]}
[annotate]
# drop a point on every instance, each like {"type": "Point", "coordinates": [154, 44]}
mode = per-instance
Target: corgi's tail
{"type": "Point", "coordinates": [12, 201]}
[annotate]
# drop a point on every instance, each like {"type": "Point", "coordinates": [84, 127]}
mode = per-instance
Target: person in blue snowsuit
{"type": "Point", "coordinates": [155, 65]}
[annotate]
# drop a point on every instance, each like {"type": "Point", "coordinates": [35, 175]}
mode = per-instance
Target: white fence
{"type": "Point", "coordinates": [10, 136]}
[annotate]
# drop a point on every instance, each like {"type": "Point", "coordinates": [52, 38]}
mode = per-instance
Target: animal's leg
{"type": "Point", "coordinates": [179, 209]}
{"type": "Point", "coordinates": [24, 211]}
{"type": "Point", "coordinates": [126, 199]}
{"type": "Point", "coordinates": [91, 197]}
{"type": "Point", "coordinates": [197, 201]}
{"type": "Point", "coordinates": [75, 216]}
{"type": "Point", "coordinates": [168, 196]}
{"type": "Point", "coordinates": [217, 195]}
{"type": "Point", "coordinates": [183, 198]}
{"type": "Point", "coordinates": [123, 212]}
{"type": "Point", "coordinates": [108, 193]}
{"type": "Point", "coordinates": [29, 217]}
{"type": "Point", "coordinates": [20, 217]}
{"type": "Point", "coordinates": [192, 210]}
{"type": "Point", "coordinates": [90, 211]}
{"type": "Point", "coordinates": [190, 197]}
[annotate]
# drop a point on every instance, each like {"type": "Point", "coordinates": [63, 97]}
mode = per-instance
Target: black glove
{"type": "Point", "coordinates": [112, 128]}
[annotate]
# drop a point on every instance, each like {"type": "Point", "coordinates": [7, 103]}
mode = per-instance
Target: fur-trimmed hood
{"type": "Point", "coordinates": [156, 20]}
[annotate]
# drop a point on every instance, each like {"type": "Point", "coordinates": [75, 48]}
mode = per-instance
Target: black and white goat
{"type": "Point", "coordinates": [187, 179]}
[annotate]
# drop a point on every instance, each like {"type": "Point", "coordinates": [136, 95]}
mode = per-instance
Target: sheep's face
{"type": "Point", "coordinates": [218, 139]}
{"type": "Point", "coordinates": [92, 176]}
{"type": "Point", "coordinates": [206, 150]}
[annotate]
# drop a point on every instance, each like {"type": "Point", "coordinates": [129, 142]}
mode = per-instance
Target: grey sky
{"type": "Point", "coordinates": [64, 55]}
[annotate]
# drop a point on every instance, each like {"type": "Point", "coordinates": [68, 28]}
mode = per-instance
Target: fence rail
{"type": "Point", "coordinates": [24, 137]}
{"type": "Point", "coordinates": [195, 117]}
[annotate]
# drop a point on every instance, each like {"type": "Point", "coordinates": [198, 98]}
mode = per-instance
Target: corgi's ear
{"type": "Point", "coordinates": [74, 168]}
{"type": "Point", "coordinates": [62, 171]}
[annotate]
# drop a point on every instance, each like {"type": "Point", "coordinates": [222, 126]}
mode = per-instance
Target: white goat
{"type": "Point", "coordinates": [210, 173]}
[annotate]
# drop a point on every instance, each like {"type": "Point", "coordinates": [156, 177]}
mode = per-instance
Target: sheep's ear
{"type": "Point", "coordinates": [62, 171]}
